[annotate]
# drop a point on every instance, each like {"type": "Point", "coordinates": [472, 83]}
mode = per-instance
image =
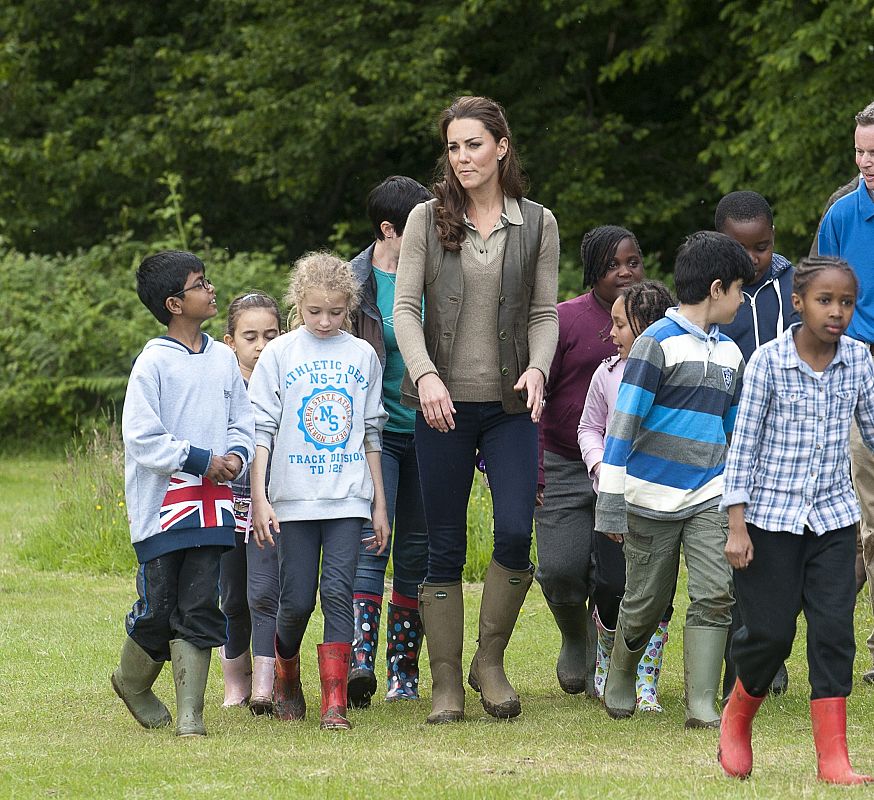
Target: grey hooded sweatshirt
{"type": "Point", "coordinates": [181, 408]}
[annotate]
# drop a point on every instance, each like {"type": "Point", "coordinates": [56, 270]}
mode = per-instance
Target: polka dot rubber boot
{"type": "Point", "coordinates": [402, 647]}
{"type": "Point", "coordinates": [362, 678]}
{"type": "Point", "coordinates": [648, 669]}
{"type": "Point", "coordinates": [602, 654]}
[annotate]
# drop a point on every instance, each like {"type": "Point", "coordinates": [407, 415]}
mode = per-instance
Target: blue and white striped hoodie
{"type": "Point", "coordinates": [667, 440]}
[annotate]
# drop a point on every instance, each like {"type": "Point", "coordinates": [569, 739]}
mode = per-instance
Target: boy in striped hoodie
{"type": "Point", "coordinates": [661, 476]}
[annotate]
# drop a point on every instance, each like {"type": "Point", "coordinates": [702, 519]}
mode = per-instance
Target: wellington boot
{"type": "Point", "coordinates": [649, 668]}
{"type": "Point", "coordinates": [591, 651]}
{"type": "Point", "coordinates": [504, 592]}
{"type": "Point", "coordinates": [572, 658]}
{"type": "Point", "coordinates": [603, 651]}
{"type": "Point", "coordinates": [620, 694]}
{"type": "Point", "coordinates": [441, 607]}
{"type": "Point", "coordinates": [735, 751]}
{"type": "Point", "coordinates": [261, 701]}
{"type": "Point", "coordinates": [333, 674]}
{"type": "Point", "coordinates": [829, 718]}
{"type": "Point", "coordinates": [132, 682]}
{"type": "Point", "coordinates": [403, 642]}
{"type": "Point", "coordinates": [362, 677]}
{"type": "Point", "coordinates": [703, 650]}
{"type": "Point", "coordinates": [288, 700]}
{"type": "Point", "coordinates": [190, 671]}
{"type": "Point", "coordinates": [237, 673]}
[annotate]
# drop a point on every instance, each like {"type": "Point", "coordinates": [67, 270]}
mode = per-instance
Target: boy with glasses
{"type": "Point", "coordinates": [188, 430]}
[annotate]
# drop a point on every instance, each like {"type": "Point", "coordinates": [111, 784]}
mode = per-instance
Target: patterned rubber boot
{"type": "Point", "coordinates": [362, 678]}
{"type": "Point", "coordinates": [403, 643]}
{"type": "Point", "coordinates": [648, 669]}
{"type": "Point", "coordinates": [602, 654]}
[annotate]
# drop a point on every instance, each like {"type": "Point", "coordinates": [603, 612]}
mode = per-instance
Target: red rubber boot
{"type": "Point", "coordinates": [288, 700]}
{"type": "Point", "coordinates": [829, 718]}
{"type": "Point", "coordinates": [333, 674]}
{"type": "Point", "coordinates": [735, 752]}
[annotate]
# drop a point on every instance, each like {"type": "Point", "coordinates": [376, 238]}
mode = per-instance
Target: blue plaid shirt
{"type": "Point", "coordinates": [789, 460]}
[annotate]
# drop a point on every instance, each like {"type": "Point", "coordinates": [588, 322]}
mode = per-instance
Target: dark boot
{"type": "Point", "coordinates": [572, 658]}
{"type": "Point", "coordinates": [132, 682]}
{"type": "Point", "coordinates": [620, 689]}
{"type": "Point", "coordinates": [190, 672]}
{"type": "Point", "coordinates": [441, 607]}
{"type": "Point", "coordinates": [735, 752]}
{"type": "Point", "coordinates": [504, 592]}
{"type": "Point", "coordinates": [829, 718]}
{"type": "Point", "coordinates": [333, 673]}
{"type": "Point", "coordinates": [780, 684]}
{"type": "Point", "coordinates": [362, 678]}
{"type": "Point", "coordinates": [703, 650]}
{"type": "Point", "coordinates": [403, 642]}
{"type": "Point", "coordinates": [288, 700]}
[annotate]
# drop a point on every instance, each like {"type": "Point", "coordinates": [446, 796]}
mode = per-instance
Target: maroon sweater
{"type": "Point", "coordinates": [583, 343]}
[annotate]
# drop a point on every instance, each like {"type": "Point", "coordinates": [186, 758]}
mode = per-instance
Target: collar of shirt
{"type": "Point", "coordinates": [687, 325]}
{"type": "Point", "coordinates": [510, 215]}
{"type": "Point", "coordinates": [788, 357]}
{"type": "Point", "coordinates": [866, 204]}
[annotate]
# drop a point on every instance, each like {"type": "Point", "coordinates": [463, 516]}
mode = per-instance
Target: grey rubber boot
{"type": "Point", "coordinates": [132, 682]}
{"type": "Point", "coordinates": [620, 689]}
{"type": "Point", "coordinates": [703, 650]}
{"type": "Point", "coordinates": [441, 607]}
{"type": "Point", "coordinates": [504, 592]}
{"type": "Point", "coordinates": [190, 671]}
{"type": "Point", "coordinates": [573, 656]}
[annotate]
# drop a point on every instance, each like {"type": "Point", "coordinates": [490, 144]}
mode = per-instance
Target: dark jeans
{"type": "Point", "coordinates": [508, 443]}
{"type": "Point", "coordinates": [178, 599]}
{"type": "Point", "coordinates": [300, 546]}
{"type": "Point", "coordinates": [250, 597]}
{"type": "Point", "coordinates": [406, 515]}
{"type": "Point", "coordinates": [789, 574]}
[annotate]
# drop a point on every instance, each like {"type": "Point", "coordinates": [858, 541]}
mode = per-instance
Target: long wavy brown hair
{"type": "Point", "coordinates": [451, 196]}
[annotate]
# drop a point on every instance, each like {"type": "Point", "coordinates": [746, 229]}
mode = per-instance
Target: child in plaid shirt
{"type": "Point", "coordinates": [792, 512]}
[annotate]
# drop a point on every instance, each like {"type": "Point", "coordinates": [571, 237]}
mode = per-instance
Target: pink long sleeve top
{"type": "Point", "coordinates": [600, 402]}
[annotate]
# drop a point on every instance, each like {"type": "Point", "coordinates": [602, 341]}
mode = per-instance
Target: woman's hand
{"type": "Point", "coordinates": [264, 522]}
{"type": "Point", "coordinates": [531, 382]}
{"type": "Point", "coordinates": [381, 529]}
{"type": "Point", "coordinates": [437, 408]}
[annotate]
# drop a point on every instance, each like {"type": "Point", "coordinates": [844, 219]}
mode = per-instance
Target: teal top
{"type": "Point", "coordinates": [400, 418]}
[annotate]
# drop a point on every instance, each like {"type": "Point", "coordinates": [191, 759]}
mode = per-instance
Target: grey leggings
{"type": "Point", "coordinates": [300, 544]}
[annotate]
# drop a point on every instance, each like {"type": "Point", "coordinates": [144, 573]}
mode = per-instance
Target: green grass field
{"type": "Point", "coordinates": [63, 732]}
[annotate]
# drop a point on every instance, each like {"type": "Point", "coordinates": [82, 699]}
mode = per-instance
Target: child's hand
{"type": "Point", "coordinates": [235, 461]}
{"type": "Point", "coordinates": [616, 537]}
{"type": "Point", "coordinates": [739, 547]}
{"type": "Point", "coordinates": [222, 468]}
{"type": "Point", "coordinates": [381, 529]}
{"type": "Point", "coordinates": [264, 522]}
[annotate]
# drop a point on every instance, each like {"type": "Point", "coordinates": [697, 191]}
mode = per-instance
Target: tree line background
{"type": "Point", "coordinates": [252, 130]}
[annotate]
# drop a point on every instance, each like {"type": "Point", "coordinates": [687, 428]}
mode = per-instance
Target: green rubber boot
{"type": "Point", "coordinates": [620, 689]}
{"type": "Point", "coordinates": [132, 682]}
{"type": "Point", "coordinates": [703, 650]}
{"type": "Point", "coordinates": [441, 607]}
{"type": "Point", "coordinates": [190, 671]}
{"type": "Point", "coordinates": [572, 658]}
{"type": "Point", "coordinates": [504, 592]}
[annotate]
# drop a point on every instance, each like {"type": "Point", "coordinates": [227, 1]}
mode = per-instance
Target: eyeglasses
{"type": "Point", "coordinates": [200, 283]}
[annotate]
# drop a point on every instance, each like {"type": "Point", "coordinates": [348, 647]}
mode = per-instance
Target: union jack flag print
{"type": "Point", "coordinates": [194, 501]}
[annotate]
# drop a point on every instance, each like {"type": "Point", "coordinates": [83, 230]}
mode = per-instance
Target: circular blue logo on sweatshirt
{"type": "Point", "coordinates": [325, 417]}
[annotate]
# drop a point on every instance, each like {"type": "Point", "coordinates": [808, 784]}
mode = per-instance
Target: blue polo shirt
{"type": "Point", "coordinates": [848, 231]}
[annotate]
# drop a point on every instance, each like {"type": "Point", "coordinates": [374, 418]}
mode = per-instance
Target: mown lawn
{"type": "Point", "coordinates": [63, 733]}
